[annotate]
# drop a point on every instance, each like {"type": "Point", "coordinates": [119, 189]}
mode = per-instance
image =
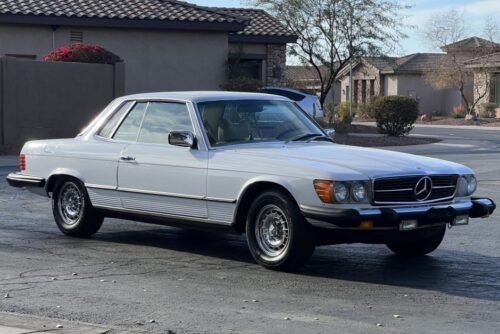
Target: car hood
{"type": "Point", "coordinates": [334, 158]}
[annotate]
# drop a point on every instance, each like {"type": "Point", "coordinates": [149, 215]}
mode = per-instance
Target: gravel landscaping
{"type": "Point", "coordinates": [368, 136]}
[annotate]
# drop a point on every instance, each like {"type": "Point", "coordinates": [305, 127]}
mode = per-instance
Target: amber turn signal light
{"type": "Point", "coordinates": [324, 190]}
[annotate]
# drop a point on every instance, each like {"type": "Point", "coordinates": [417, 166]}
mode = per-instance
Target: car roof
{"type": "Point", "coordinates": [298, 91]}
{"type": "Point", "coordinates": [203, 96]}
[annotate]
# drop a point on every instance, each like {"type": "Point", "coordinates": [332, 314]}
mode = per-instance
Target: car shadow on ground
{"type": "Point", "coordinates": [459, 273]}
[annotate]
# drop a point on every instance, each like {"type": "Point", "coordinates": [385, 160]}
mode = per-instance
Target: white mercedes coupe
{"type": "Point", "coordinates": [250, 163]}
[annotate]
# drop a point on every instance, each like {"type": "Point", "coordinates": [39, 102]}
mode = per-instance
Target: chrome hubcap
{"type": "Point", "coordinates": [70, 203]}
{"type": "Point", "coordinates": [272, 231]}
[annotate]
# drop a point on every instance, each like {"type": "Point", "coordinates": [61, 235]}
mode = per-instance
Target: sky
{"type": "Point", "coordinates": [475, 12]}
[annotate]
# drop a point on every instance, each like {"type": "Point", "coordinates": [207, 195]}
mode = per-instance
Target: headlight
{"type": "Point", "coordinates": [359, 192]}
{"type": "Point", "coordinates": [340, 192]}
{"type": "Point", "coordinates": [466, 185]}
{"type": "Point", "coordinates": [471, 184]}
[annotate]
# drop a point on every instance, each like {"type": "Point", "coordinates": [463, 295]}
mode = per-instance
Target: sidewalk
{"type": "Point", "coordinates": [462, 127]}
{"type": "Point", "coordinates": [13, 323]}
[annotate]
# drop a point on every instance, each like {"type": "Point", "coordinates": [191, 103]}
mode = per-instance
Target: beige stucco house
{"type": "Point", "coordinates": [486, 78]}
{"type": "Point", "coordinates": [407, 76]}
{"type": "Point", "coordinates": [165, 45]}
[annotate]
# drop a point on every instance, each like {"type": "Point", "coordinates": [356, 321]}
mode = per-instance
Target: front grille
{"type": "Point", "coordinates": [401, 190]}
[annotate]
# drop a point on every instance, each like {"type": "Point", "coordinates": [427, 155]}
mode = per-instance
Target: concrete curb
{"type": "Point", "coordinates": [14, 323]}
{"type": "Point", "coordinates": [461, 127]}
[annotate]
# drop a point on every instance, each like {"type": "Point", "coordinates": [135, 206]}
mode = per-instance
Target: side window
{"type": "Point", "coordinates": [129, 129]}
{"type": "Point", "coordinates": [107, 130]}
{"type": "Point", "coordinates": [161, 118]}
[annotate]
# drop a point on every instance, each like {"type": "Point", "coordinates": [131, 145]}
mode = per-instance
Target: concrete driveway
{"type": "Point", "coordinates": [193, 282]}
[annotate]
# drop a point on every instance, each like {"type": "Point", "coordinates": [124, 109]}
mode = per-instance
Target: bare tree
{"type": "Point", "coordinates": [443, 31]}
{"type": "Point", "coordinates": [333, 32]}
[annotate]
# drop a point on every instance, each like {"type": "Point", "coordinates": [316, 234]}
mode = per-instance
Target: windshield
{"type": "Point", "coordinates": [244, 121]}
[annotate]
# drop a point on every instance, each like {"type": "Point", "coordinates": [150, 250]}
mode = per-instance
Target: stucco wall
{"type": "Point", "coordinates": [156, 60]}
{"type": "Point", "coordinates": [431, 100]}
{"type": "Point", "coordinates": [390, 85]}
{"type": "Point", "coordinates": [52, 99]}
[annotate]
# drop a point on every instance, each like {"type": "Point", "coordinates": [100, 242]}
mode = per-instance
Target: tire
{"type": "Point", "coordinates": [418, 247]}
{"type": "Point", "coordinates": [72, 210]}
{"type": "Point", "coordinates": [278, 236]}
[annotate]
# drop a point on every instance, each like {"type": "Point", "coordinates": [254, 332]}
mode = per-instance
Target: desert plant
{"type": "Point", "coordinates": [488, 110]}
{"type": "Point", "coordinates": [459, 111]}
{"type": "Point", "coordinates": [365, 110]}
{"type": "Point", "coordinates": [395, 115]}
{"type": "Point", "coordinates": [82, 53]}
{"type": "Point", "coordinates": [343, 112]}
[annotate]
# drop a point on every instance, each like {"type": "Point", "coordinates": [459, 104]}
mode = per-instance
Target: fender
{"type": "Point", "coordinates": [61, 171]}
{"type": "Point", "coordinates": [273, 179]}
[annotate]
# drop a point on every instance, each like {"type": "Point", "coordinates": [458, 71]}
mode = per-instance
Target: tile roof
{"type": "Point", "coordinates": [491, 60]}
{"type": "Point", "coordinates": [117, 10]}
{"type": "Point", "coordinates": [247, 25]}
{"type": "Point", "coordinates": [420, 62]}
{"type": "Point", "coordinates": [260, 23]}
{"type": "Point", "coordinates": [471, 43]}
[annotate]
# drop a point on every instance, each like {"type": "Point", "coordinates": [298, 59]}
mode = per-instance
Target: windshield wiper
{"type": "Point", "coordinates": [311, 136]}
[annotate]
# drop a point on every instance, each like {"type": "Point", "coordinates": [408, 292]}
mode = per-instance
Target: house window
{"type": "Point", "coordinates": [363, 91]}
{"type": "Point", "coordinates": [251, 68]}
{"type": "Point", "coordinates": [372, 88]}
{"type": "Point", "coordinates": [76, 36]}
{"type": "Point", "coordinates": [355, 93]}
{"type": "Point", "coordinates": [497, 89]}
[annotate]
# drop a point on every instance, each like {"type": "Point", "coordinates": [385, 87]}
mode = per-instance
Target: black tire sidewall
{"type": "Point", "coordinates": [421, 246]}
{"type": "Point", "coordinates": [88, 223]}
{"type": "Point", "coordinates": [300, 245]}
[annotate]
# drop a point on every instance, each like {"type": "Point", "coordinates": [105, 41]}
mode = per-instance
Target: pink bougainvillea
{"type": "Point", "coordinates": [82, 53]}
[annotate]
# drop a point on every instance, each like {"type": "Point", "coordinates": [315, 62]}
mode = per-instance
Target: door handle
{"type": "Point", "coordinates": [126, 158]}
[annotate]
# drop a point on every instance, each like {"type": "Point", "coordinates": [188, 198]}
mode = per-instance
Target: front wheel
{"type": "Point", "coordinates": [72, 210]}
{"type": "Point", "coordinates": [277, 234]}
{"type": "Point", "coordinates": [419, 247]}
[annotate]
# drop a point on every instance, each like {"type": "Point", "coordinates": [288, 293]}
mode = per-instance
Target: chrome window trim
{"type": "Point", "coordinates": [111, 114]}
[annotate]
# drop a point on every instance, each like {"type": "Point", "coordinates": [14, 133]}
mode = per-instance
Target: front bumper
{"type": "Point", "coordinates": [383, 218]}
{"type": "Point", "coordinates": [19, 180]}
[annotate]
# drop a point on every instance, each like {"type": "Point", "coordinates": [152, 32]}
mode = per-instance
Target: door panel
{"type": "Point", "coordinates": [164, 179]}
{"type": "Point", "coordinates": [155, 176]}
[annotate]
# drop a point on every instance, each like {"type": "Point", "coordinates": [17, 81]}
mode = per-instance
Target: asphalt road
{"type": "Point", "coordinates": [193, 282]}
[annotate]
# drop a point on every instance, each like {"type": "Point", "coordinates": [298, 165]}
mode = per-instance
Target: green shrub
{"type": "Point", "coordinates": [459, 111]}
{"type": "Point", "coordinates": [395, 115]}
{"type": "Point", "coordinates": [83, 53]}
{"type": "Point", "coordinates": [242, 84]}
{"type": "Point", "coordinates": [343, 112]}
{"type": "Point", "coordinates": [365, 111]}
{"type": "Point", "coordinates": [488, 110]}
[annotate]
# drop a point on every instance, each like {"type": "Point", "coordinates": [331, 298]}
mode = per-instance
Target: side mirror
{"type": "Point", "coordinates": [330, 132]}
{"type": "Point", "coordinates": [182, 138]}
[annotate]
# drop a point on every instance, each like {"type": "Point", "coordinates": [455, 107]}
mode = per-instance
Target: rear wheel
{"type": "Point", "coordinates": [419, 247]}
{"type": "Point", "coordinates": [72, 210]}
{"type": "Point", "coordinates": [277, 234]}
